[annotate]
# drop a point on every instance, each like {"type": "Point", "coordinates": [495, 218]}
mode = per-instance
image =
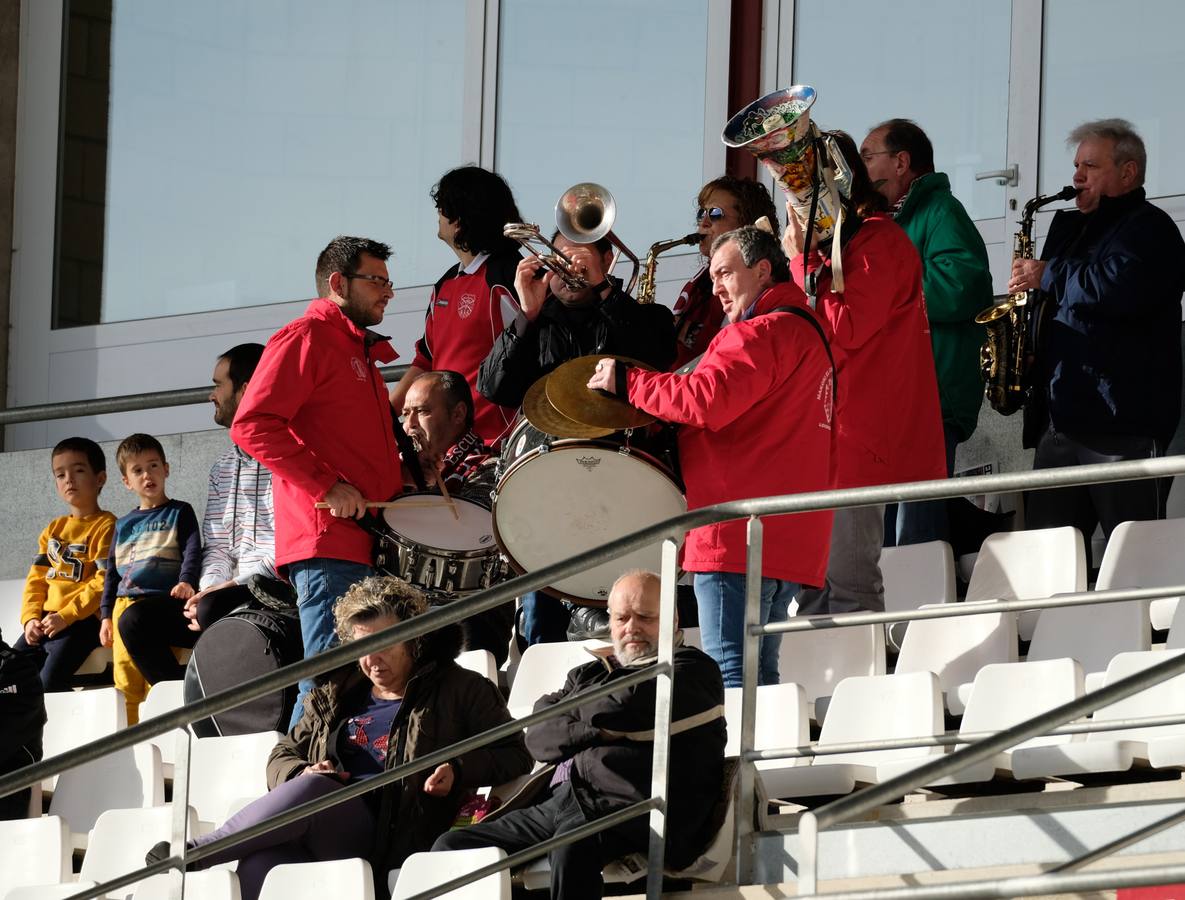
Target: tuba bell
{"type": "Point", "coordinates": [584, 214]}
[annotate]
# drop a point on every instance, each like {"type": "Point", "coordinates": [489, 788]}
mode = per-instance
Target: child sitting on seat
{"type": "Point", "coordinates": [60, 607]}
{"type": "Point", "coordinates": [154, 562]}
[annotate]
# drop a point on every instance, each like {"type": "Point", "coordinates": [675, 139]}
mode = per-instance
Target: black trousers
{"type": "Point", "coordinates": [59, 657]}
{"type": "Point", "coordinates": [1087, 506]}
{"type": "Point", "coordinates": [575, 868]}
{"type": "Point", "coordinates": [149, 628]}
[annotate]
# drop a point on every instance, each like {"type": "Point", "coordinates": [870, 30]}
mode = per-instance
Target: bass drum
{"type": "Point", "coordinates": [557, 497]}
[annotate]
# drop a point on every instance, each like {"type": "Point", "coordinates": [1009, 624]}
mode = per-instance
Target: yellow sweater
{"type": "Point", "coordinates": [67, 574]}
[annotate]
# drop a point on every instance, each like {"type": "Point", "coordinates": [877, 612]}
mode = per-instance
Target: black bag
{"type": "Point", "coordinates": [250, 641]}
{"type": "Point", "coordinates": [22, 720]}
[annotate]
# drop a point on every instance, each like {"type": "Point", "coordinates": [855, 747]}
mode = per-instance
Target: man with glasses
{"type": "Point", "coordinates": [1107, 374]}
{"type": "Point", "coordinates": [957, 285]}
{"type": "Point", "coordinates": [725, 203]}
{"type": "Point", "coordinates": [316, 413]}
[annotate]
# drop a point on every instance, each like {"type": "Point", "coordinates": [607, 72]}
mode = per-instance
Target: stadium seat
{"type": "Point", "coordinates": [867, 708]}
{"type": "Point", "coordinates": [126, 779]}
{"type": "Point", "coordinates": [422, 871]}
{"type": "Point", "coordinates": [543, 669]}
{"type": "Point", "coordinates": [97, 663]}
{"type": "Point", "coordinates": [163, 697]}
{"type": "Point", "coordinates": [209, 884]}
{"type": "Point", "coordinates": [316, 881]}
{"type": "Point", "coordinates": [782, 721]}
{"type": "Point", "coordinates": [1093, 635]}
{"type": "Point", "coordinates": [479, 661]}
{"type": "Point", "coordinates": [914, 576]}
{"type": "Point", "coordinates": [11, 592]}
{"type": "Point", "coordinates": [820, 660]}
{"type": "Point", "coordinates": [49, 891]}
{"type": "Point", "coordinates": [34, 851]}
{"type": "Point", "coordinates": [1029, 565]}
{"type": "Point", "coordinates": [691, 638]}
{"type": "Point", "coordinates": [79, 717]}
{"type": "Point", "coordinates": [120, 839]}
{"type": "Point", "coordinates": [226, 771]}
{"type": "Point", "coordinates": [956, 648]}
{"type": "Point", "coordinates": [1112, 751]}
{"type": "Point", "coordinates": [1146, 554]}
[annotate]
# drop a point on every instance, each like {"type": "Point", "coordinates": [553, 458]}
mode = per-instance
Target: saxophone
{"type": "Point", "coordinates": [646, 283]}
{"type": "Point", "coordinates": [1007, 355]}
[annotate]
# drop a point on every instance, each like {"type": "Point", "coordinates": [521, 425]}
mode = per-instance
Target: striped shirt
{"type": "Point", "coordinates": [239, 530]}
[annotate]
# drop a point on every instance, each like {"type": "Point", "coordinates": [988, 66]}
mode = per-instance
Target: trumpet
{"type": "Point", "coordinates": [647, 286]}
{"type": "Point", "coordinates": [584, 214]}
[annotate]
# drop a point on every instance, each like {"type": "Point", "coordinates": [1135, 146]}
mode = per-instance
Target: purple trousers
{"type": "Point", "coordinates": [340, 832]}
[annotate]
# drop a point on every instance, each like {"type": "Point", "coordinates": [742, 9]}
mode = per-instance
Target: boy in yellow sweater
{"type": "Point", "coordinates": [59, 611]}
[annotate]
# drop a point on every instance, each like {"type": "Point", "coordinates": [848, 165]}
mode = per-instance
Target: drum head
{"type": "Point", "coordinates": [428, 524]}
{"type": "Point", "coordinates": [574, 497]}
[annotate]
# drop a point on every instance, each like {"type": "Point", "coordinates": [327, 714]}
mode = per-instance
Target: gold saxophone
{"type": "Point", "coordinates": [1007, 355]}
{"type": "Point", "coordinates": [646, 283]}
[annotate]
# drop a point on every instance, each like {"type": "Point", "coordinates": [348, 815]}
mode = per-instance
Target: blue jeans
{"type": "Point", "coordinates": [720, 597]}
{"type": "Point", "coordinates": [319, 583]}
{"type": "Point", "coordinates": [545, 619]}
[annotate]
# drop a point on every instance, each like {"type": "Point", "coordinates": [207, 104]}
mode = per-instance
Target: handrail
{"type": "Point", "coordinates": [69, 409]}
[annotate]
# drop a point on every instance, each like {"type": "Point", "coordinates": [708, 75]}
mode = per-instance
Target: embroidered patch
{"type": "Point", "coordinates": [825, 394]}
{"type": "Point", "coordinates": [359, 368]}
{"type": "Point", "coordinates": [466, 304]}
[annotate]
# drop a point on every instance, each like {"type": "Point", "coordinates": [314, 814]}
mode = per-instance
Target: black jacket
{"type": "Point", "coordinates": [610, 741]}
{"type": "Point", "coordinates": [1109, 360]}
{"type": "Point", "coordinates": [617, 326]}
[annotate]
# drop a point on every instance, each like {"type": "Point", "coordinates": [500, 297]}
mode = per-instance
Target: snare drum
{"type": "Point", "coordinates": [557, 497]}
{"type": "Point", "coordinates": [424, 545]}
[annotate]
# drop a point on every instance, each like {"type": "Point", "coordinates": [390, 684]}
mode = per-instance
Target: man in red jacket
{"type": "Point", "coordinates": [756, 415]}
{"type": "Point", "coordinates": [316, 414]}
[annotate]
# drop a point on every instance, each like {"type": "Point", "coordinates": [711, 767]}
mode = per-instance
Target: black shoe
{"type": "Point", "coordinates": [160, 851]}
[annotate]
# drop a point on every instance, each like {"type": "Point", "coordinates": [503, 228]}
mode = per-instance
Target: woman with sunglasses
{"type": "Point", "coordinates": [725, 203]}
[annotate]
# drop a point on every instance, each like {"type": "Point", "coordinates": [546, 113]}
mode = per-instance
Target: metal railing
{"type": "Point", "coordinates": [668, 532]}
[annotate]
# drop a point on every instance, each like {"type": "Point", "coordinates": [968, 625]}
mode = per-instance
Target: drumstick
{"type": "Point", "coordinates": [447, 498]}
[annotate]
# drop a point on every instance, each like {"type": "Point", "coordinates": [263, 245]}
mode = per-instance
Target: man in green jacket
{"type": "Point", "coordinates": [956, 283]}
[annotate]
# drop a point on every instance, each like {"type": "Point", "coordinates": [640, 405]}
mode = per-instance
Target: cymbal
{"type": "Point", "coordinates": [567, 389]}
{"type": "Point", "coordinates": [540, 413]}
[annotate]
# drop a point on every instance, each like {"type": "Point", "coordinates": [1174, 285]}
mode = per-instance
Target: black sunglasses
{"type": "Point", "coordinates": [715, 214]}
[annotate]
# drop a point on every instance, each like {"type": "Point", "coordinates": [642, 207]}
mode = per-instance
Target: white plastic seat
{"type": "Point", "coordinates": [543, 669]}
{"type": "Point", "coordinates": [422, 871]}
{"type": "Point", "coordinates": [1029, 565]}
{"type": "Point", "coordinates": [80, 717]}
{"type": "Point", "coordinates": [96, 663]}
{"type": "Point", "coordinates": [1113, 751]}
{"type": "Point", "coordinates": [1146, 554]}
{"type": "Point", "coordinates": [130, 778]}
{"type": "Point", "coordinates": [479, 661]}
{"type": "Point", "coordinates": [956, 648]}
{"type": "Point", "coordinates": [223, 771]}
{"type": "Point", "coordinates": [120, 839]}
{"type": "Point", "coordinates": [1093, 635]}
{"type": "Point", "coordinates": [12, 590]}
{"type": "Point", "coordinates": [49, 891]}
{"type": "Point", "coordinates": [208, 884]}
{"type": "Point", "coordinates": [782, 721]}
{"type": "Point", "coordinates": [916, 575]}
{"type": "Point", "coordinates": [34, 851]}
{"type": "Point", "coordinates": [691, 638]}
{"type": "Point", "coordinates": [316, 881]}
{"type": "Point", "coordinates": [820, 660]}
{"type": "Point", "coordinates": [164, 697]}
{"type": "Point", "coordinates": [868, 708]}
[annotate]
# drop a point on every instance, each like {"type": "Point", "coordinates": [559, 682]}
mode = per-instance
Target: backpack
{"type": "Point", "coordinates": [249, 641]}
{"type": "Point", "coordinates": [22, 720]}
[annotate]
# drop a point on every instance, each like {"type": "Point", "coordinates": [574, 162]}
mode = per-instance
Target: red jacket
{"type": "Point", "coordinates": [698, 318]}
{"type": "Point", "coordinates": [889, 420]}
{"type": "Point", "coordinates": [756, 417]}
{"type": "Point", "coordinates": [316, 411]}
{"type": "Point", "coordinates": [468, 310]}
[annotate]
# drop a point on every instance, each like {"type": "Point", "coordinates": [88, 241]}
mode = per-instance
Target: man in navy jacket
{"type": "Point", "coordinates": [1107, 375]}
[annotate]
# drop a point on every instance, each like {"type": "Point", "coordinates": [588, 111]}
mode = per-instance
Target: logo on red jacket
{"type": "Point", "coordinates": [359, 368]}
{"type": "Point", "coordinates": [466, 304]}
{"type": "Point", "coordinates": [825, 394]}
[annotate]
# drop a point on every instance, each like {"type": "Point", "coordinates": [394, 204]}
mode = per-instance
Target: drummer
{"type": "Point", "coordinates": [438, 417]}
{"type": "Point", "coordinates": [557, 323]}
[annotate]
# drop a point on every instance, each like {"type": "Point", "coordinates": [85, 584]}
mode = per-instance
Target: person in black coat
{"type": "Point", "coordinates": [600, 755]}
{"type": "Point", "coordinates": [1107, 373]}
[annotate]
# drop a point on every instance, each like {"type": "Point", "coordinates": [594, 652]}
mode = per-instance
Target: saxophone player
{"type": "Point", "coordinates": [1107, 375]}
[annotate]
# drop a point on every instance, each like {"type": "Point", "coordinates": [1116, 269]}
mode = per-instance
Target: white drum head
{"type": "Point", "coordinates": [551, 506]}
{"type": "Point", "coordinates": [417, 518]}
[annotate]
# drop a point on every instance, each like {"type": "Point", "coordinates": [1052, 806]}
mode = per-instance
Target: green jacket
{"type": "Point", "coordinates": [957, 286]}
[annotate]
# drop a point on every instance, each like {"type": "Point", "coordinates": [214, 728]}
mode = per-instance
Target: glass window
{"type": "Point", "coordinates": [212, 149]}
{"type": "Point", "coordinates": [943, 65]}
{"type": "Point", "coordinates": [612, 92]}
{"type": "Point", "coordinates": [1100, 61]}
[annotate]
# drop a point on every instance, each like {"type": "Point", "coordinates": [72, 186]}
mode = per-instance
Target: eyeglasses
{"type": "Point", "coordinates": [373, 279]}
{"type": "Point", "coordinates": [715, 214]}
{"type": "Point", "coordinates": [868, 154]}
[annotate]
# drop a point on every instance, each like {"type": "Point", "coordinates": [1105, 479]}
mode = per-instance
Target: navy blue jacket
{"type": "Point", "coordinates": [1109, 361]}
